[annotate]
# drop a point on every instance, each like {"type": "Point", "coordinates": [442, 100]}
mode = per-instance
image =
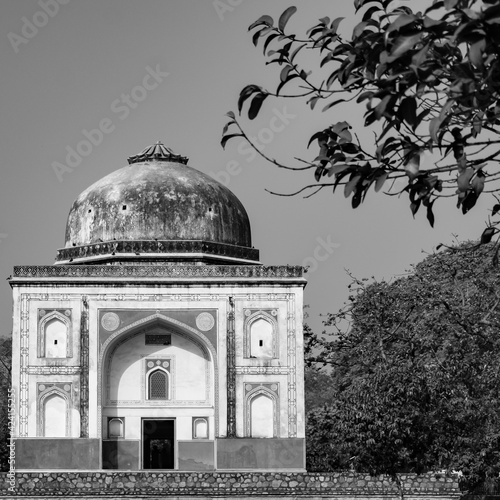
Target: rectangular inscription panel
{"type": "Point", "coordinates": [152, 339]}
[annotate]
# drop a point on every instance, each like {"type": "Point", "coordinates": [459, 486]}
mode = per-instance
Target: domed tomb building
{"type": "Point", "coordinates": [157, 340]}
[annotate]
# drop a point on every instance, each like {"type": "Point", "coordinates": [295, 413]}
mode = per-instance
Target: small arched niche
{"type": "Point", "coordinates": [55, 334]}
{"type": "Point", "coordinates": [115, 428]}
{"type": "Point", "coordinates": [261, 339]}
{"type": "Point", "coordinates": [200, 428]}
{"type": "Point", "coordinates": [261, 416]}
{"type": "Point", "coordinates": [55, 415]}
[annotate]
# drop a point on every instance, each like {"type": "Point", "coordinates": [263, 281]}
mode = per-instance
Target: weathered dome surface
{"type": "Point", "coordinates": [157, 207]}
{"type": "Point", "coordinates": [167, 201]}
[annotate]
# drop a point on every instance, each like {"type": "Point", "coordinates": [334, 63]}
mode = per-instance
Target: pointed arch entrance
{"type": "Point", "coordinates": [156, 373]}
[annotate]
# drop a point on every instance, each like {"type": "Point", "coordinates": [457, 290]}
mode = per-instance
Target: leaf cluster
{"type": "Point", "coordinates": [430, 82]}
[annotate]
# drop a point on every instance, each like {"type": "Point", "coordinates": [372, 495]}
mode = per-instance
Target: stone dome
{"type": "Point", "coordinates": [155, 209]}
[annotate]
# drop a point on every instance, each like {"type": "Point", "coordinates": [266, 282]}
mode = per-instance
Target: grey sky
{"type": "Point", "coordinates": [71, 74]}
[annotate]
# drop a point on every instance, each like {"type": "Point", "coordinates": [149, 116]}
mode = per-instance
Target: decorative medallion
{"type": "Point", "coordinates": [205, 321]}
{"type": "Point", "coordinates": [155, 363]}
{"type": "Point", "coordinates": [110, 321]}
{"type": "Point", "coordinates": [67, 387]}
{"type": "Point", "coordinates": [274, 312]}
{"type": "Point", "coordinates": [274, 387]}
{"type": "Point", "coordinates": [41, 387]}
{"type": "Point", "coordinates": [67, 312]}
{"type": "Point", "coordinates": [248, 312]}
{"type": "Point", "coordinates": [42, 312]}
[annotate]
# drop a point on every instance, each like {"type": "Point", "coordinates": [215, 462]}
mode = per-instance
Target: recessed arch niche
{"type": "Point", "coordinates": [188, 363]}
{"type": "Point", "coordinates": [262, 412]}
{"type": "Point", "coordinates": [54, 413]}
{"type": "Point", "coordinates": [260, 335]}
{"type": "Point", "coordinates": [54, 336]}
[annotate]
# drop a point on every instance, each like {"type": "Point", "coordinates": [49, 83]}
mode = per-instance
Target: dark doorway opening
{"type": "Point", "coordinates": [158, 444]}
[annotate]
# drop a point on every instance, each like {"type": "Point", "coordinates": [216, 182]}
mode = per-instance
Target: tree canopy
{"type": "Point", "coordinates": [416, 372]}
{"type": "Point", "coordinates": [430, 82]}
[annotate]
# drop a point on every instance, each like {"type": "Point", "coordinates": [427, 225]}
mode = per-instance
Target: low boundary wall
{"type": "Point", "coordinates": [338, 485]}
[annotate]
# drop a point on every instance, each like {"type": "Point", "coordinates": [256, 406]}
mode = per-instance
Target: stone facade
{"type": "Point", "coordinates": [112, 365]}
{"type": "Point", "coordinates": [215, 485]}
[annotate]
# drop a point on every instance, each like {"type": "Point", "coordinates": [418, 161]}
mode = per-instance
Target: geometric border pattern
{"type": "Point", "coordinates": [261, 271]}
{"type": "Point", "coordinates": [114, 250]}
{"type": "Point", "coordinates": [54, 370]}
{"type": "Point", "coordinates": [169, 271]}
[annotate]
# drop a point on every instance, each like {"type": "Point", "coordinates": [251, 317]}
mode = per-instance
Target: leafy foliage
{"type": "Point", "coordinates": [416, 373]}
{"type": "Point", "coordinates": [320, 429]}
{"type": "Point", "coordinates": [318, 389]}
{"type": "Point", "coordinates": [430, 81]}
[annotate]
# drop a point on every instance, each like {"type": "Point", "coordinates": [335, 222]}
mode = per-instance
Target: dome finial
{"type": "Point", "coordinates": [157, 152]}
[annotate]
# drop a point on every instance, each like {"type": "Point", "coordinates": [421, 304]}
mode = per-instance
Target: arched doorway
{"type": "Point", "coordinates": [157, 377]}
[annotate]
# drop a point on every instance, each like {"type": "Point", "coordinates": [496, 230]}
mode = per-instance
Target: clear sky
{"type": "Point", "coordinates": [78, 66]}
